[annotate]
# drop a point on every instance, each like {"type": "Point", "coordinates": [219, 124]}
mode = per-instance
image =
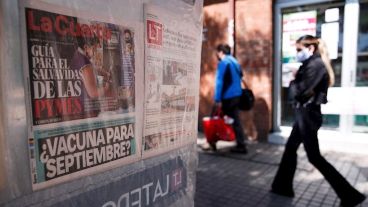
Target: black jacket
{"type": "Point", "coordinates": [311, 82]}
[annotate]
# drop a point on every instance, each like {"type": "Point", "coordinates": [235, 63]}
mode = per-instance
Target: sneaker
{"type": "Point", "coordinates": [205, 146]}
{"type": "Point", "coordinates": [239, 149]}
{"type": "Point", "coordinates": [209, 146]}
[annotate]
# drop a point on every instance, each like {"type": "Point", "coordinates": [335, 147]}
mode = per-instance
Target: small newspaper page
{"type": "Point", "coordinates": [171, 81]}
{"type": "Point", "coordinates": [81, 76]}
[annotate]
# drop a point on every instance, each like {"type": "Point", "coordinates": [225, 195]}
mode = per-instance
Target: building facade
{"type": "Point", "coordinates": [263, 39]}
{"type": "Point", "coordinates": [247, 27]}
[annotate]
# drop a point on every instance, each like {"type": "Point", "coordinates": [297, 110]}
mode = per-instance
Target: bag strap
{"type": "Point", "coordinates": [216, 111]}
{"type": "Point", "coordinates": [244, 84]}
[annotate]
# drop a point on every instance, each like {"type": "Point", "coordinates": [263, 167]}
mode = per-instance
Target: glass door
{"type": "Point", "coordinates": [347, 109]}
{"type": "Point", "coordinates": [321, 20]}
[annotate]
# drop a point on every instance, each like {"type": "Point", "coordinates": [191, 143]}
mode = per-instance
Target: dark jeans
{"type": "Point", "coordinates": [230, 107]}
{"type": "Point", "coordinates": [307, 122]}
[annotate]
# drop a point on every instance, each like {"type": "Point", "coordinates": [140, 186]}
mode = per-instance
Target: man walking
{"type": "Point", "coordinates": [228, 91]}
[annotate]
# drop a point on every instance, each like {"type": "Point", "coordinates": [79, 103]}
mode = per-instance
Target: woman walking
{"type": "Point", "coordinates": [309, 91]}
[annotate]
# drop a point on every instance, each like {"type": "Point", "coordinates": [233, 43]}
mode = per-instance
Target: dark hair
{"type": "Point", "coordinates": [308, 40]}
{"type": "Point", "coordinates": [224, 48]}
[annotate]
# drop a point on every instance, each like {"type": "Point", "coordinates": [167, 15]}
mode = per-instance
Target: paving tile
{"type": "Point", "coordinates": [231, 180]}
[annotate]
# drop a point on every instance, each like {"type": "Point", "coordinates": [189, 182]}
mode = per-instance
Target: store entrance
{"type": "Point", "coordinates": [347, 109]}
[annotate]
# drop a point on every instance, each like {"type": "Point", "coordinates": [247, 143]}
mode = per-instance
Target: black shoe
{"type": "Point", "coordinates": [353, 202]}
{"type": "Point", "coordinates": [287, 193]}
{"type": "Point", "coordinates": [239, 149]}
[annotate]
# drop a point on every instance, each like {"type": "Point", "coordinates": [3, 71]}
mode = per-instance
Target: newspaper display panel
{"type": "Point", "coordinates": [172, 72]}
{"type": "Point", "coordinates": [81, 76]}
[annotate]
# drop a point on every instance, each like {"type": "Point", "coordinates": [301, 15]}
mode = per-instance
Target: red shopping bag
{"type": "Point", "coordinates": [215, 129]}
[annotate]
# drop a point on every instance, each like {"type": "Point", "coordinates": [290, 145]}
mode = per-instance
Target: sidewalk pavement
{"type": "Point", "coordinates": [226, 179]}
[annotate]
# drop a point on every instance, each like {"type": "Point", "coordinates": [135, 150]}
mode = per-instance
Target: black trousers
{"type": "Point", "coordinates": [230, 107]}
{"type": "Point", "coordinates": [307, 122]}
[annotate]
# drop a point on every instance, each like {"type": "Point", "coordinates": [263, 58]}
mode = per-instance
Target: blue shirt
{"type": "Point", "coordinates": [228, 79]}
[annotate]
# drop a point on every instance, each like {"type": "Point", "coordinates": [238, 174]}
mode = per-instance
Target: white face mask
{"type": "Point", "coordinates": [303, 55]}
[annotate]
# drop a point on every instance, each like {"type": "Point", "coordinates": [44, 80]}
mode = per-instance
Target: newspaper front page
{"type": "Point", "coordinates": [81, 76]}
{"type": "Point", "coordinates": [171, 78]}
